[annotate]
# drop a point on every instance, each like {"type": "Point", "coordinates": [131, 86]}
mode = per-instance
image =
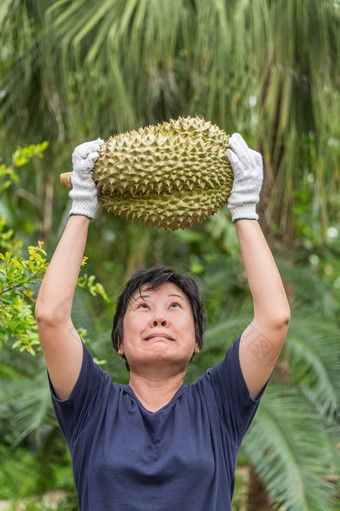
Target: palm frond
{"type": "Point", "coordinates": [308, 287]}
{"type": "Point", "coordinates": [290, 450]}
{"type": "Point", "coordinates": [224, 333]}
{"type": "Point", "coordinates": [312, 349]}
{"type": "Point", "coordinates": [113, 65]}
{"type": "Point", "coordinates": [26, 405]}
{"type": "Point", "coordinates": [4, 8]}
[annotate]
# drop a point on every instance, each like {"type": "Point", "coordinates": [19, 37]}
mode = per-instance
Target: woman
{"type": "Point", "coordinates": [156, 444]}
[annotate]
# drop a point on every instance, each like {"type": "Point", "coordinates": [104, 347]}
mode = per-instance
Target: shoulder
{"type": "Point", "coordinates": [225, 391]}
{"type": "Point", "coordinates": [92, 392]}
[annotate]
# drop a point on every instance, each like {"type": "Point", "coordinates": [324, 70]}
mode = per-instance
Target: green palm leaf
{"type": "Point", "coordinates": [312, 348]}
{"type": "Point", "coordinates": [288, 445]}
{"type": "Point", "coordinates": [26, 404]}
{"type": "Point", "coordinates": [112, 65]}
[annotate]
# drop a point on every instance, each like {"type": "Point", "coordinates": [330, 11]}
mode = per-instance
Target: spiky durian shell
{"type": "Point", "coordinates": [171, 175]}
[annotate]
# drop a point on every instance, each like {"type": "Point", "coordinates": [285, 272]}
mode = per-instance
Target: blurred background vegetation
{"type": "Point", "coordinates": [75, 70]}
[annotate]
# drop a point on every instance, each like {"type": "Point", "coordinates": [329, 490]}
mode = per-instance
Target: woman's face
{"type": "Point", "coordinates": [158, 328]}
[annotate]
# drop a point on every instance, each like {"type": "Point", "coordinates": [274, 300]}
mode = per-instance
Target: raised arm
{"type": "Point", "coordinates": [59, 339]}
{"type": "Point", "coordinates": [262, 340]}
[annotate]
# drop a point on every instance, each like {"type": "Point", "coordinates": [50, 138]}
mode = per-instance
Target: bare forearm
{"type": "Point", "coordinates": [58, 287]}
{"type": "Point", "coordinates": [269, 297]}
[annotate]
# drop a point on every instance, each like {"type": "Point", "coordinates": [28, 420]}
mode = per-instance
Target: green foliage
{"type": "Point", "coordinates": [23, 155]}
{"type": "Point", "coordinates": [51, 502]}
{"type": "Point", "coordinates": [20, 476]}
{"type": "Point", "coordinates": [95, 288]}
{"type": "Point", "coordinates": [227, 61]}
{"type": "Point", "coordinates": [17, 469]}
{"type": "Point", "coordinates": [20, 157]}
{"type": "Point", "coordinates": [28, 425]}
{"type": "Point", "coordinates": [17, 276]}
{"type": "Point", "coordinates": [7, 176]}
{"type": "Point", "coordinates": [288, 445]}
{"type": "Point", "coordinates": [7, 240]}
{"type": "Point", "coordinates": [20, 273]}
{"type": "Point", "coordinates": [254, 67]}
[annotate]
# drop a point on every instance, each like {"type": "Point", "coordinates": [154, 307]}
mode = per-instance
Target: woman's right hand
{"type": "Point", "coordinates": [84, 193]}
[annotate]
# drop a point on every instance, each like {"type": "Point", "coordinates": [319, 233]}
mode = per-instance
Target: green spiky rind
{"type": "Point", "coordinates": [179, 210]}
{"type": "Point", "coordinates": [187, 156]}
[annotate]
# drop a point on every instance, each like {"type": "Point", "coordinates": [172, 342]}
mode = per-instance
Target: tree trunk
{"type": "Point", "coordinates": [257, 495]}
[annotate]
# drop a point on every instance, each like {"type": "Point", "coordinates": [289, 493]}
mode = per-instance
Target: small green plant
{"type": "Point", "coordinates": [17, 276]}
{"type": "Point", "coordinates": [20, 157]}
{"type": "Point", "coordinates": [20, 271]}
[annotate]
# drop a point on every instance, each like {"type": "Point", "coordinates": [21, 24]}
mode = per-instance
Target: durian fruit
{"type": "Point", "coordinates": [171, 175]}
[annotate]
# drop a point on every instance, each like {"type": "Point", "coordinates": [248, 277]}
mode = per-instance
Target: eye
{"type": "Point", "coordinates": [142, 305]}
{"type": "Point", "coordinates": [175, 305]}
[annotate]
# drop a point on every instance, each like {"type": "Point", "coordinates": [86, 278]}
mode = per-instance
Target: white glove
{"type": "Point", "coordinates": [84, 193]}
{"type": "Point", "coordinates": [248, 176]}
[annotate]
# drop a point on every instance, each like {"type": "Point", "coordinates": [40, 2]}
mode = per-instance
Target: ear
{"type": "Point", "coordinates": [196, 350]}
{"type": "Point", "coordinates": [120, 349]}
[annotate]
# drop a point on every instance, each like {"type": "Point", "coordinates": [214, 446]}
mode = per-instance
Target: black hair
{"type": "Point", "coordinates": [152, 279]}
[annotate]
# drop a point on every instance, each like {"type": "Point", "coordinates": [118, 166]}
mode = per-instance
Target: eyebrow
{"type": "Point", "coordinates": [140, 296]}
{"type": "Point", "coordinates": [149, 296]}
{"type": "Point", "coordinates": [177, 296]}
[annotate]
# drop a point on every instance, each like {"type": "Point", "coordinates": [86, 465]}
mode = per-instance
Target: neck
{"type": "Point", "coordinates": [154, 393]}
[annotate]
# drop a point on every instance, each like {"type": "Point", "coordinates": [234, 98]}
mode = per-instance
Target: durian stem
{"type": "Point", "coordinates": [65, 179]}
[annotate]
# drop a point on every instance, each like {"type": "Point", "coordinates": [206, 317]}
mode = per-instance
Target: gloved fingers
{"type": "Point", "coordinates": [86, 164]}
{"type": "Point", "coordinates": [240, 147]}
{"type": "Point", "coordinates": [92, 157]}
{"type": "Point", "coordinates": [232, 157]}
{"type": "Point", "coordinates": [88, 147]}
{"type": "Point", "coordinates": [236, 137]}
{"type": "Point", "coordinates": [248, 157]}
{"type": "Point", "coordinates": [257, 158]}
{"type": "Point", "coordinates": [83, 150]}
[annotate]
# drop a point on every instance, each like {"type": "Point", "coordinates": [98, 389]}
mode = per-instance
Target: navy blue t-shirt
{"type": "Point", "coordinates": [182, 457]}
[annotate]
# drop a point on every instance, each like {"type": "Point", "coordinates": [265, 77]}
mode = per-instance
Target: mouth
{"type": "Point", "coordinates": [160, 336]}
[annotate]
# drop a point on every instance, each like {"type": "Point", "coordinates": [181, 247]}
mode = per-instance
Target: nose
{"type": "Point", "coordinates": [159, 319]}
{"type": "Point", "coordinates": [161, 323]}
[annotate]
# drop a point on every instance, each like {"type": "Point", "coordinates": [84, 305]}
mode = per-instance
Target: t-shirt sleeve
{"type": "Point", "coordinates": [74, 412]}
{"type": "Point", "coordinates": [234, 403]}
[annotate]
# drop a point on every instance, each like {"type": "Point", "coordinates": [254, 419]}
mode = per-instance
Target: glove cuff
{"type": "Point", "coordinates": [244, 212]}
{"type": "Point", "coordinates": [85, 208]}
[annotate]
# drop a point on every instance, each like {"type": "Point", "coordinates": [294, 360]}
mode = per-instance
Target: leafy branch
{"type": "Point", "coordinates": [17, 301]}
{"type": "Point", "coordinates": [19, 273]}
{"type": "Point", "coordinates": [20, 157]}
{"type": "Point", "coordinates": [18, 284]}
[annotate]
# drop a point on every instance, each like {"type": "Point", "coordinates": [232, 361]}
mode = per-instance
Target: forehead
{"type": "Point", "coordinates": [165, 290]}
